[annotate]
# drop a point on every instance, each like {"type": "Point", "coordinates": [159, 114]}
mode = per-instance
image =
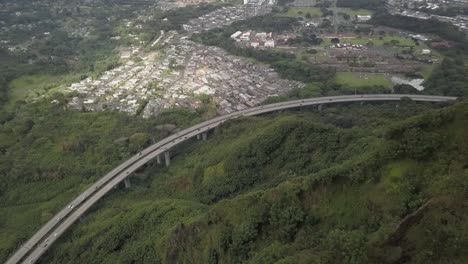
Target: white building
{"type": "Point", "coordinates": [270, 43]}
{"type": "Point", "coordinates": [236, 35]}
{"type": "Point", "coordinates": [363, 18]}
{"type": "Point", "coordinates": [245, 36]}
{"type": "Point", "coordinates": [426, 51]}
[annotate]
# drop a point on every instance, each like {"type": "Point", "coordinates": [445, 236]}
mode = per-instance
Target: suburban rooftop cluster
{"type": "Point", "coordinates": [176, 77]}
{"type": "Point", "coordinates": [426, 9]}
{"type": "Point", "coordinates": [224, 16]}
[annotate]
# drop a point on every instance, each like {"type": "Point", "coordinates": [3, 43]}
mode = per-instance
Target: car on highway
{"type": "Point", "coordinates": [70, 206]}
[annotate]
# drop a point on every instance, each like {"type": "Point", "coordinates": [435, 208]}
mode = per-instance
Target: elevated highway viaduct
{"type": "Point", "coordinates": [38, 244]}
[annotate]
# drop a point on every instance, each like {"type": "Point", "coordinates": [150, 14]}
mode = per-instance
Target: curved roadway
{"type": "Point", "coordinates": [51, 231]}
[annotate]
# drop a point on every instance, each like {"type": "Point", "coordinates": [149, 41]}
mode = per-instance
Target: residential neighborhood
{"type": "Point", "coordinates": [426, 9]}
{"type": "Point", "coordinates": [224, 17]}
{"type": "Point", "coordinates": [177, 76]}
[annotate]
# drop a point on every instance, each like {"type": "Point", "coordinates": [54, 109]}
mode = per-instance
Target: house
{"type": "Point", "coordinates": [419, 37]}
{"type": "Point", "coordinates": [441, 44]}
{"type": "Point", "coordinates": [236, 35]}
{"type": "Point", "coordinates": [270, 43]}
{"type": "Point", "coordinates": [245, 36]}
{"type": "Point", "coordinates": [426, 52]}
{"type": "Point", "coordinates": [263, 36]}
{"type": "Point", "coordinates": [363, 18]}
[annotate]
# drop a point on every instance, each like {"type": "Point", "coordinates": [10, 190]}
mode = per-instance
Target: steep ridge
{"type": "Point", "coordinates": [297, 188]}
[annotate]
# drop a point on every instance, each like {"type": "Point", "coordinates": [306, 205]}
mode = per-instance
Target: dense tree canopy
{"type": "Point", "coordinates": [443, 29]}
{"type": "Point", "coordinates": [357, 4]}
{"type": "Point", "coordinates": [449, 78]}
{"type": "Point", "coordinates": [296, 188]}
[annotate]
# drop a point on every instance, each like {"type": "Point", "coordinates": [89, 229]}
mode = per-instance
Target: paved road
{"type": "Point", "coordinates": [51, 231]}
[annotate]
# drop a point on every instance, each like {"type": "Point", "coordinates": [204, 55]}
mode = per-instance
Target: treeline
{"type": "Point", "coordinates": [364, 4]}
{"type": "Point", "coordinates": [174, 19]}
{"type": "Point", "coordinates": [268, 23]}
{"type": "Point", "coordinates": [443, 29]}
{"type": "Point", "coordinates": [284, 63]}
{"type": "Point", "coordinates": [451, 11]}
{"type": "Point", "coordinates": [11, 67]}
{"type": "Point", "coordinates": [301, 71]}
{"type": "Point", "coordinates": [221, 38]}
{"type": "Point", "coordinates": [449, 78]}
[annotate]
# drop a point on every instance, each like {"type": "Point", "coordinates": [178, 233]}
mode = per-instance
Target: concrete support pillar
{"type": "Point", "coordinates": [167, 158]}
{"type": "Point", "coordinates": [127, 183]}
{"type": "Point", "coordinates": [320, 106]}
{"type": "Point", "coordinates": [158, 159]}
{"type": "Point", "coordinates": [198, 136]}
{"type": "Point", "coordinates": [205, 135]}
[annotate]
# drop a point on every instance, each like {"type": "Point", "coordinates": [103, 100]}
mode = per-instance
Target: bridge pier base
{"type": "Point", "coordinates": [158, 159]}
{"type": "Point", "coordinates": [205, 135]}
{"type": "Point", "coordinates": [127, 183]}
{"type": "Point", "coordinates": [167, 158]}
{"type": "Point", "coordinates": [198, 136]}
{"type": "Point", "coordinates": [320, 107]}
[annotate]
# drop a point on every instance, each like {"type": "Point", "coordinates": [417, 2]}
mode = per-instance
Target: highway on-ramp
{"type": "Point", "coordinates": [38, 244]}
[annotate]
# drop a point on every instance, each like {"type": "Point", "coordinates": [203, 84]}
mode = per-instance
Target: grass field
{"type": "Point", "coordinates": [300, 12]}
{"type": "Point", "coordinates": [353, 79]}
{"type": "Point", "coordinates": [355, 12]}
{"type": "Point", "coordinates": [376, 40]}
{"type": "Point", "coordinates": [427, 70]}
{"type": "Point", "coordinates": [29, 86]}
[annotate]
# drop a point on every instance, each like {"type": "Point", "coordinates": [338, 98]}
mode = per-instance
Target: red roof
{"type": "Point", "coordinates": [441, 44]}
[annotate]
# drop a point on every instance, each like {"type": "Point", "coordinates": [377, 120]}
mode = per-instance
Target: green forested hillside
{"type": "Point", "coordinates": [48, 155]}
{"type": "Point", "coordinates": [351, 184]}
